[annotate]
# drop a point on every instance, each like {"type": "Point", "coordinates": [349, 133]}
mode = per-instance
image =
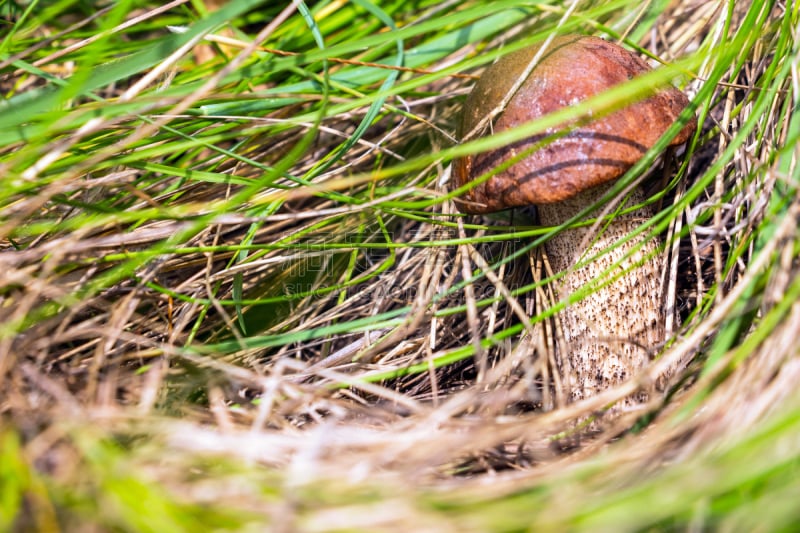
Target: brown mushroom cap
{"type": "Point", "coordinates": [572, 69]}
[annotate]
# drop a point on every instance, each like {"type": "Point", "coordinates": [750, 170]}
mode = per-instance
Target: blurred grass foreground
{"type": "Point", "coordinates": [236, 293]}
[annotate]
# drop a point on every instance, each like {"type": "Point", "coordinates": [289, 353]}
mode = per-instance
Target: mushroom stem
{"type": "Point", "coordinates": [614, 331]}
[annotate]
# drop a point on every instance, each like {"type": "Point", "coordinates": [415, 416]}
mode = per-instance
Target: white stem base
{"type": "Point", "coordinates": [614, 331]}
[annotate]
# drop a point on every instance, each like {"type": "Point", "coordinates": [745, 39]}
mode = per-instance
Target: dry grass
{"type": "Point", "coordinates": [206, 306]}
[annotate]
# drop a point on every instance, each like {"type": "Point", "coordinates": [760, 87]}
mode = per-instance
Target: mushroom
{"type": "Point", "coordinates": [614, 331]}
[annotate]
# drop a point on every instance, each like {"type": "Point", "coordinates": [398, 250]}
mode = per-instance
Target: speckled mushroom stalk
{"type": "Point", "coordinates": [612, 332]}
{"type": "Point", "coordinates": [616, 329]}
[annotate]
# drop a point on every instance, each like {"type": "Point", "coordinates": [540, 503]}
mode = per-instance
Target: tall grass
{"type": "Point", "coordinates": [236, 292]}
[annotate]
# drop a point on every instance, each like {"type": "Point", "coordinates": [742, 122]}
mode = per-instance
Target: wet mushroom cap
{"type": "Point", "coordinates": [572, 69]}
